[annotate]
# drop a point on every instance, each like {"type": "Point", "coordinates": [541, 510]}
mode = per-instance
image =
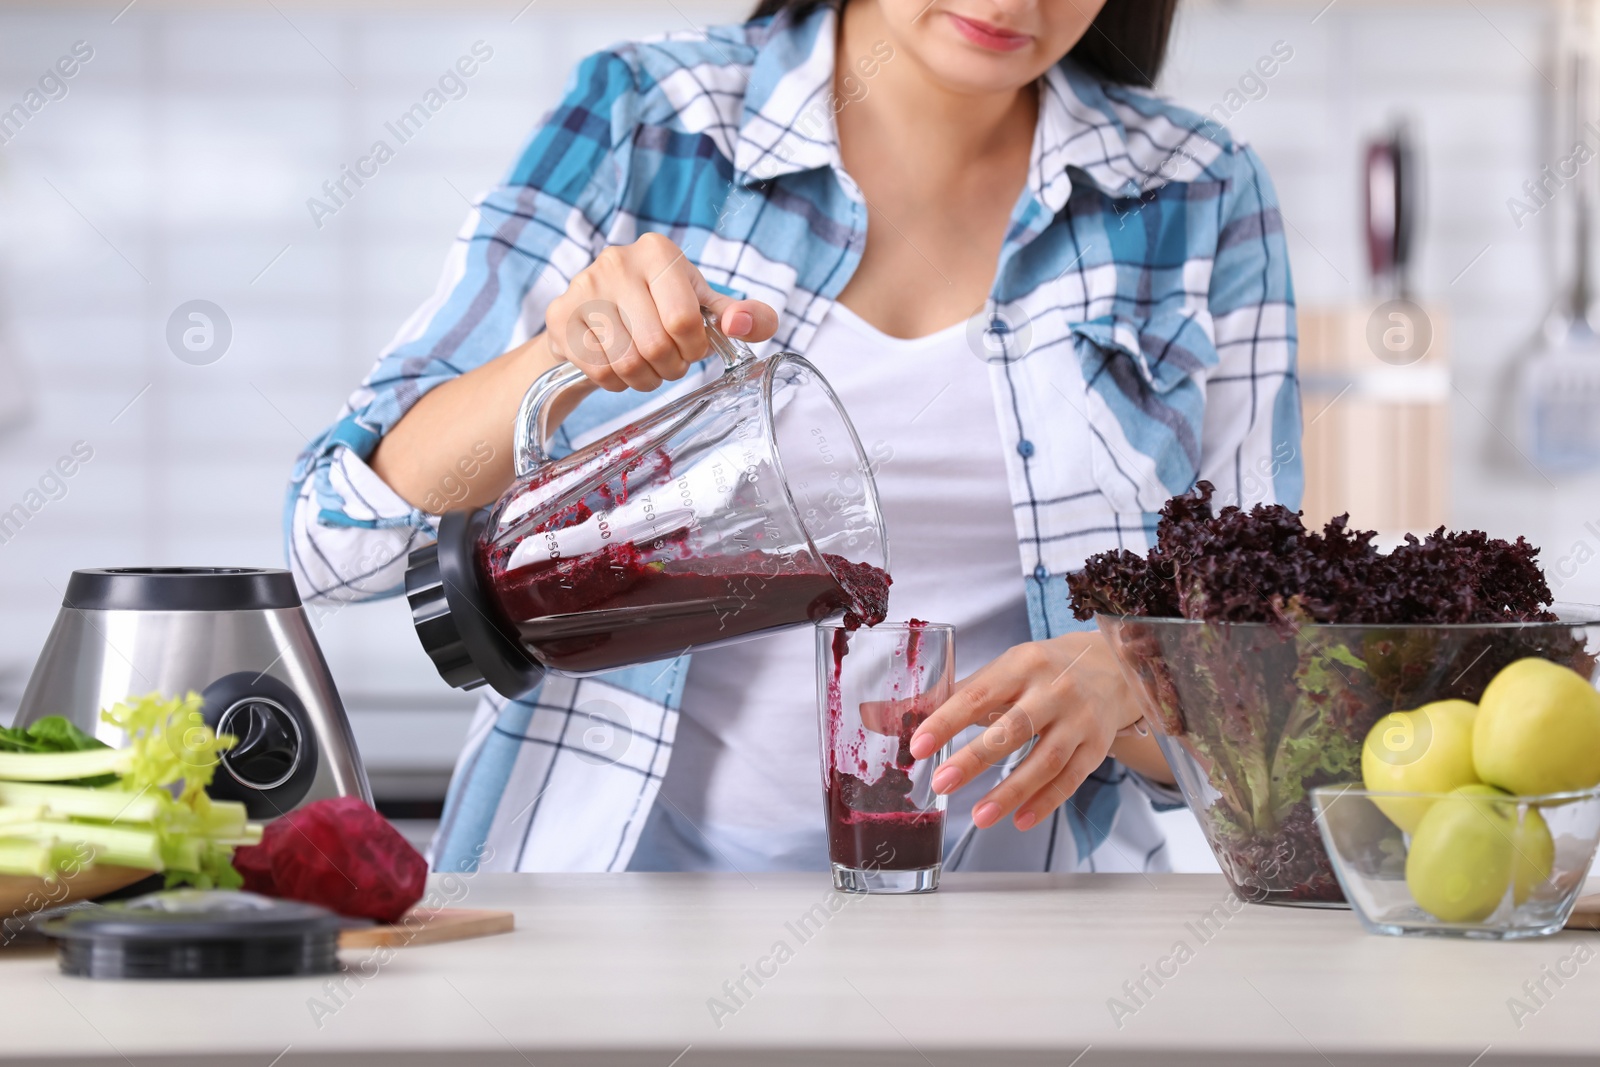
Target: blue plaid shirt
{"type": "Point", "coordinates": [1140, 333]}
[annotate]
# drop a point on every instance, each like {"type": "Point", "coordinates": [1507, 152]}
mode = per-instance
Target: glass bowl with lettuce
{"type": "Point", "coordinates": [1263, 653]}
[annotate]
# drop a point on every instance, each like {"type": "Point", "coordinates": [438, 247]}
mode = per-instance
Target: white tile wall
{"type": "Point", "coordinates": [178, 167]}
{"type": "Point", "coordinates": [182, 158]}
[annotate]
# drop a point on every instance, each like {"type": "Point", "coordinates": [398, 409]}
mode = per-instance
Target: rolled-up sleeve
{"type": "Point", "coordinates": [1251, 442]}
{"type": "Point", "coordinates": [347, 532]}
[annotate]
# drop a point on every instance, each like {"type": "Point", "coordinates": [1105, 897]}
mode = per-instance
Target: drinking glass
{"type": "Point", "coordinates": [874, 688]}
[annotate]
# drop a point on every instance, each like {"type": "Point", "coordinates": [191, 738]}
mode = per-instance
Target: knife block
{"type": "Point", "coordinates": [1376, 431]}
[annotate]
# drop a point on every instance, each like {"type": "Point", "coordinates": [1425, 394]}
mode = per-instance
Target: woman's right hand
{"type": "Point", "coordinates": [631, 319]}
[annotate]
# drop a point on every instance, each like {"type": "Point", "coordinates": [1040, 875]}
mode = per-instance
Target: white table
{"type": "Point", "coordinates": [992, 970]}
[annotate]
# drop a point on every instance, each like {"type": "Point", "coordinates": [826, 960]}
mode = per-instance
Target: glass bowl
{"type": "Point", "coordinates": [1252, 716]}
{"type": "Point", "coordinates": [1492, 868]}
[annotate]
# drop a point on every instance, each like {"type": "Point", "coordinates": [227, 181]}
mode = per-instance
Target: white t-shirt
{"type": "Point", "coordinates": [744, 770]}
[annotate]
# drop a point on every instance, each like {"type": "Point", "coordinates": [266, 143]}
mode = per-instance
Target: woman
{"type": "Point", "coordinates": [1048, 300]}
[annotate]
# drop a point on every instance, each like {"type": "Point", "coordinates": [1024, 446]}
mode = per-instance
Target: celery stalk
{"type": "Point", "coordinates": [28, 858]}
{"type": "Point", "coordinates": [181, 854]}
{"type": "Point", "coordinates": [23, 813]}
{"type": "Point", "coordinates": [42, 859]}
{"type": "Point", "coordinates": [143, 805]}
{"type": "Point", "coordinates": [123, 846]}
{"type": "Point", "coordinates": [225, 818]}
{"type": "Point", "coordinates": [63, 766]}
{"type": "Point", "coordinates": [251, 835]}
{"type": "Point", "coordinates": [113, 805]}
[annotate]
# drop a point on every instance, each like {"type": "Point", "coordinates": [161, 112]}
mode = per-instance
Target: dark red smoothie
{"type": "Point", "coordinates": [611, 608]}
{"type": "Point", "coordinates": [876, 825]}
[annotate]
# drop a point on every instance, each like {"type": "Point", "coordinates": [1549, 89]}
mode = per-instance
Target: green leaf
{"type": "Point", "coordinates": [168, 742]}
{"type": "Point", "coordinates": [53, 733]}
{"type": "Point", "coordinates": [1313, 747]}
{"type": "Point", "coordinates": [59, 734]}
{"type": "Point", "coordinates": [1319, 675]}
{"type": "Point", "coordinates": [15, 740]}
{"type": "Point", "coordinates": [1315, 757]}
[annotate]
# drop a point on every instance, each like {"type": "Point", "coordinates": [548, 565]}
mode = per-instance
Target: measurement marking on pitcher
{"type": "Point", "coordinates": [649, 508]}
{"type": "Point", "coordinates": [686, 495]}
{"type": "Point", "coordinates": [823, 448]}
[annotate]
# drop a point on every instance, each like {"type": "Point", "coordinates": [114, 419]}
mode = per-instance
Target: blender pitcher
{"type": "Point", "coordinates": [743, 507]}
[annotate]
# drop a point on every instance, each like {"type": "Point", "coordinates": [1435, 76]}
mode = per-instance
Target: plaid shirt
{"type": "Point", "coordinates": [1140, 335]}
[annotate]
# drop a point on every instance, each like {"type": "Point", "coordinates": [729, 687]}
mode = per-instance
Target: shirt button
{"type": "Point", "coordinates": [1040, 572]}
{"type": "Point", "coordinates": [1025, 448]}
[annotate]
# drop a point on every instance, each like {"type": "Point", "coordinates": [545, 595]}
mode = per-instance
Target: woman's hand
{"type": "Point", "coordinates": [631, 319]}
{"type": "Point", "coordinates": [1067, 691]}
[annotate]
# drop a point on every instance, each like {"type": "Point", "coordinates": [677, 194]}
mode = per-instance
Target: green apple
{"type": "Point", "coordinates": [1428, 750]}
{"type": "Point", "coordinates": [1460, 862]}
{"type": "Point", "coordinates": [1535, 856]}
{"type": "Point", "coordinates": [1538, 730]}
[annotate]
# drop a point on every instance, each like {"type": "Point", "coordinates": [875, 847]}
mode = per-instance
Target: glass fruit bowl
{"type": "Point", "coordinates": [1475, 864]}
{"type": "Point", "coordinates": [1253, 716]}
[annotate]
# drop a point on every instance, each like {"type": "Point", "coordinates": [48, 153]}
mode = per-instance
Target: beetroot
{"type": "Point", "coordinates": [254, 864]}
{"type": "Point", "coordinates": [340, 854]}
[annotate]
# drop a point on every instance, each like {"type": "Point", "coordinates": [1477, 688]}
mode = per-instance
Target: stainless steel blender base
{"type": "Point", "coordinates": [260, 669]}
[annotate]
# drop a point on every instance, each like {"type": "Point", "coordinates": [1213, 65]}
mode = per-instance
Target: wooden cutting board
{"type": "Point", "coordinates": [21, 895]}
{"type": "Point", "coordinates": [1586, 913]}
{"type": "Point", "coordinates": [430, 926]}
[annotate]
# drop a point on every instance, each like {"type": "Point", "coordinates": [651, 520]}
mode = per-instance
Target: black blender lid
{"type": "Point", "coordinates": [194, 933]}
{"type": "Point", "coordinates": [181, 589]}
{"type": "Point", "coordinates": [458, 627]}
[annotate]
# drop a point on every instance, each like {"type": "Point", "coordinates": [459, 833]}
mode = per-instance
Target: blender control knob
{"type": "Point", "coordinates": [275, 755]}
{"type": "Point", "coordinates": [268, 750]}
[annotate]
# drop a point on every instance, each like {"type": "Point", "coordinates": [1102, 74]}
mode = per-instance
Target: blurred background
{"type": "Point", "coordinates": [1425, 155]}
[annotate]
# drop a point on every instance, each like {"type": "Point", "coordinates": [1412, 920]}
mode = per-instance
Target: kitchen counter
{"type": "Point", "coordinates": [993, 970]}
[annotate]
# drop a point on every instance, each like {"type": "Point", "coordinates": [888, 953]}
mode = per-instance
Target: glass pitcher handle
{"type": "Point", "coordinates": [732, 352]}
{"type": "Point", "coordinates": [532, 428]}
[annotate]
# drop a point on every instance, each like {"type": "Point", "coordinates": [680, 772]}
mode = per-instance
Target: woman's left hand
{"type": "Point", "coordinates": [1068, 691]}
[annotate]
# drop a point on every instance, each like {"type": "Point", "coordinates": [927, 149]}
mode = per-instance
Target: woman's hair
{"type": "Point", "coordinates": [1126, 43]}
